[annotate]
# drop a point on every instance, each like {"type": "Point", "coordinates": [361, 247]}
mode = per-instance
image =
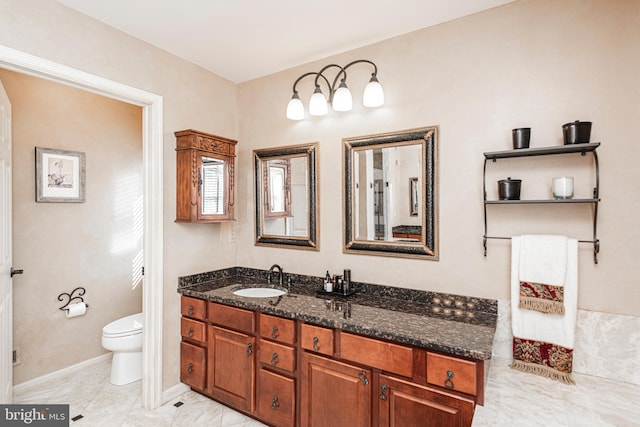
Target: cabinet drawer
{"type": "Point", "coordinates": [193, 365]}
{"type": "Point", "coordinates": [452, 373]}
{"type": "Point", "coordinates": [277, 355]}
{"type": "Point", "coordinates": [231, 317]}
{"type": "Point", "coordinates": [193, 329]}
{"type": "Point", "coordinates": [193, 307]}
{"type": "Point", "coordinates": [276, 399]}
{"type": "Point", "coordinates": [317, 338]}
{"type": "Point", "coordinates": [277, 328]}
{"type": "Point", "coordinates": [377, 354]}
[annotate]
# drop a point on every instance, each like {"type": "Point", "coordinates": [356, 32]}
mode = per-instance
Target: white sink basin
{"type": "Point", "coordinates": [259, 292]}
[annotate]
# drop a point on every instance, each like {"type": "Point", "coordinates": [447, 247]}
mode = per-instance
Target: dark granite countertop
{"type": "Point", "coordinates": [462, 326]}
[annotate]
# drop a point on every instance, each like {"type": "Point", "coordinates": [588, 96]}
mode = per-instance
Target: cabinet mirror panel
{"type": "Point", "coordinates": [286, 196]}
{"type": "Point", "coordinates": [212, 178]}
{"type": "Point", "coordinates": [391, 194]}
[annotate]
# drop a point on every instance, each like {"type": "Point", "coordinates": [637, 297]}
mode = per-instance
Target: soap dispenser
{"type": "Point", "coordinates": [328, 284]}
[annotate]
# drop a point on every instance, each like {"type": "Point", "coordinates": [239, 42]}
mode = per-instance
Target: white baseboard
{"type": "Point", "coordinates": [62, 372]}
{"type": "Point", "coordinates": [173, 392]}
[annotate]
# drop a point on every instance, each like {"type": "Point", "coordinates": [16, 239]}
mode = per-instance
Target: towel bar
{"type": "Point", "coordinates": [595, 243]}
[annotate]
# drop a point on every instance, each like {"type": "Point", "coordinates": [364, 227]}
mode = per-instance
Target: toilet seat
{"type": "Point", "coordinates": [130, 325]}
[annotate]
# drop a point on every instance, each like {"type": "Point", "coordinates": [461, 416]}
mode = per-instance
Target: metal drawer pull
{"type": "Point", "coordinates": [274, 359]}
{"type": "Point", "coordinates": [274, 403]}
{"type": "Point", "coordinates": [316, 345]}
{"type": "Point", "coordinates": [190, 368]}
{"type": "Point", "coordinates": [190, 312]}
{"type": "Point", "coordinates": [190, 333]}
{"type": "Point", "coordinates": [363, 377]}
{"type": "Point", "coordinates": [383, 392]}
{"type": "Point", "coordinates": [274, 333]}
{"type": "Point", "coordinates": [249, 349]}
{"type": "Point", "coordinates": [448, 383]}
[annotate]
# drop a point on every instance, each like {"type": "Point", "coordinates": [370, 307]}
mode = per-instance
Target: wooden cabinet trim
{"type": "Point", "coordinates": [452, 373]}
{"type": "Point", "coordinates": [277, 356]}
{"type": "Point", "coordinates": [193, 307]}
{"type": "Point", "coordinates": [193, 330]}
{"type": "Point", "coordinates": [277, 328]}
{"type": "Point", "coordinates": [386, 356]}
{"type": "Point", "coordinates": [317, 339]}
{"type": "Point", "coordinates": [232, 317]}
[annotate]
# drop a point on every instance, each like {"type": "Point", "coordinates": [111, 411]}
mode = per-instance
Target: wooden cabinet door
{"type": "Point", "coordinates": [404, 404]}
{"type": "Point", "coordinates": [231, 368]}
{"type": "Point", "coordinates": [193, 365]}
{"type": "Point", "coordinates": [276, 397]}
{"type": "Point", "coordinates": [334, 394]}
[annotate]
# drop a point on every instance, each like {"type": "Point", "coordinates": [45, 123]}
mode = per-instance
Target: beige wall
{"type": "Point", "coordinates": [193, 98]}
{"type": "Point", "coordinates": [62, 246]}
{"type": "Point", "coordinates": [535, 63]}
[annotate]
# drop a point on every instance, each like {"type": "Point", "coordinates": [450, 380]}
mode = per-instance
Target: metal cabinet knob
{"type": "Point", "coordinates": [190, 368]}
{"type": "Point", "coordinates": [274, 403]}
{"type": "Point", "coordinates": [190, 333]}
{"type": "Point", "coordinates": [249, 349]}
{"type": "Point", "coordinates": [274, 333]}
{"type": "Point", "coordinates": [316, 344]}
{"type": "Point", "coordinates": [383, 392]}
{"type": "Point", "coordinates": [363, 377]}
{"type": "Point", "coordinates": [274, 359]}
{"type": "Point", "coordinates": [448, 383]}
{"type": "Point", "coordinates": [190, 311]}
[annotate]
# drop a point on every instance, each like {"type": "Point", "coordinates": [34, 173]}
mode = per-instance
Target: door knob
{"type": "Point", "coordinates": [14, 272]}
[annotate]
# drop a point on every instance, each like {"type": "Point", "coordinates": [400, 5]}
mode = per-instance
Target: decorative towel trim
{"type": "Point", "coordinates": [541, 297]}
{"type": "Point", "coordinates": [544, 359]}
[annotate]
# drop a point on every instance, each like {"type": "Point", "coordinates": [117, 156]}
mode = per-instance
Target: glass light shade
{"type": "Point", "coordinates": [318, 103]}
{"type": "Point", "coordinates": [295, 108]}
{"type": "Point", "coordinates": [342, 99]}
{"type": "Point", "coordinates": [373, 94]}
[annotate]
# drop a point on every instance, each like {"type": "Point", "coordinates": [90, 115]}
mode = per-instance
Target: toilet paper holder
{"type": "Point", "coordinates": [74, 295]}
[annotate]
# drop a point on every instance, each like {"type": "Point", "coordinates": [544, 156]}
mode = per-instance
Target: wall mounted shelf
{"type": "Point", "coordinates": [583, 149]}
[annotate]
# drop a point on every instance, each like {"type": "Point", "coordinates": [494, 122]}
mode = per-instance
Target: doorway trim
{"type": "Point", "coordinates": [152, 145]}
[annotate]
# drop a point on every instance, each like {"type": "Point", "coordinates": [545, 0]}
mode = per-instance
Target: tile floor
{"type": "Point", "coordinates": [90, 394]}
{"type": "Point", "coordinates": [512, 399]}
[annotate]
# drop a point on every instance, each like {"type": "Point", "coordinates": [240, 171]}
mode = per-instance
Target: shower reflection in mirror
{"type": "Point", "coordinates": [390, 194]}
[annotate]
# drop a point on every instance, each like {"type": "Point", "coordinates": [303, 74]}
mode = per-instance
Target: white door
{"type": "Point", "coordinates": [6, 303]}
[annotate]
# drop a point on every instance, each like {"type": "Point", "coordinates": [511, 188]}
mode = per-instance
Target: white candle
{"type": "Point", "coordinates": [563, 187]}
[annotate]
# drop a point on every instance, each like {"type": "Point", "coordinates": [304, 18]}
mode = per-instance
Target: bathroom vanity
{"type": "Point", "coordinates": [382, 357]}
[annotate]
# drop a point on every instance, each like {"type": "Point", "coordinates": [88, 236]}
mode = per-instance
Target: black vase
{"type": "Point", "coordinates": [521, 137]}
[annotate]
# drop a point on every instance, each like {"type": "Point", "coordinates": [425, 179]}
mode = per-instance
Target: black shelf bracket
{"type": "Point", "coordinates": [583, 149]}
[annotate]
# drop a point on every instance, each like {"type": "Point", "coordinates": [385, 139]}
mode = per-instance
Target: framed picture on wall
{"type": "Point", "coordinates": [60, 175]}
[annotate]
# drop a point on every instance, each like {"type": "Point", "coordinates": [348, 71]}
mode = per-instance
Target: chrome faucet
{"type": "Point", "coordinates": [275, 267]}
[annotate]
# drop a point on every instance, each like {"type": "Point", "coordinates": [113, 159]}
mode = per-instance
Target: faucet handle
{"type": "Point", "coordinates": [269, 277]}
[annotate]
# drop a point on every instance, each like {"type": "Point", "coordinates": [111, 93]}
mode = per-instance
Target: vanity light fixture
{"type": "Point", "coordinates": [339, 97]}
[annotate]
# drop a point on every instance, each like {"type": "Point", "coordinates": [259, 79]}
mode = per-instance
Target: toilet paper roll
{"type": "Point", "coordinates": [76, 309]}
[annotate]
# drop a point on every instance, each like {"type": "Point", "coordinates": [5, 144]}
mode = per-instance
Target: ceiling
{"type": "Point", "coordinates": [241, 40]}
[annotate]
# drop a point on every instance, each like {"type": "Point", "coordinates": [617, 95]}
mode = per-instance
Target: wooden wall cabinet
{"type": "Point", "coordinates": [205, 168]}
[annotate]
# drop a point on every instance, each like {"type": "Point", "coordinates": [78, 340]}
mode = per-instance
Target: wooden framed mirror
{"type": "Point", "coordinates": [390, 194]}
{"type": "Point", "coordinates": [286, 196]}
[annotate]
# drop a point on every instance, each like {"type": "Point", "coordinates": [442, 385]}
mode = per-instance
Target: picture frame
{"type": "Point", "coordinates": [413, 196]}
{"type": "Point", "coordinates": [60, 175]}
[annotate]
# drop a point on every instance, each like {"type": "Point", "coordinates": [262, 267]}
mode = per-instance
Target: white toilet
{"type": "Point", "coordinates": [124, 338]}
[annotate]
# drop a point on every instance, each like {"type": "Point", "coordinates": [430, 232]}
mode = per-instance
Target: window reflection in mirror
{"type": "Point", "coordinates": [286, 196]}
{"type": "Point", "coordinates": [212, 178]}
{"type": "Point", "coordinates": [278, 186]}
{"type": "Point", "coordinates": [391, 194]}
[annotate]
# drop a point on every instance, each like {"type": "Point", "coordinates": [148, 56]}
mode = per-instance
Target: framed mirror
{"type": "Point", "coordinates": [287, 196]}
{"type": "Point", "coordinates": [390, 194]}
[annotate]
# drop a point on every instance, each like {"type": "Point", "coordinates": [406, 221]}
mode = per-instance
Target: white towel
{"type": "Point", "coordinates": [543, 259]}
{"type": "Point", "coordinates": [545, 331]}
{"type": "Point", "coordinates": [542, 272]}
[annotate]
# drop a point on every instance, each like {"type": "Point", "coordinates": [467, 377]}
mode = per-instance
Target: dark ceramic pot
{"type": "Point", "coordinates": [576, 132]}
{"type": "Point", "coordinates": [521, 137]}
{"type": "Point", "coordinates": [509, 189]}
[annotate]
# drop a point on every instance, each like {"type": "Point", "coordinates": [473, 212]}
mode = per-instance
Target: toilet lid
{"type": "Point", "coordinates": [125, 326]}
